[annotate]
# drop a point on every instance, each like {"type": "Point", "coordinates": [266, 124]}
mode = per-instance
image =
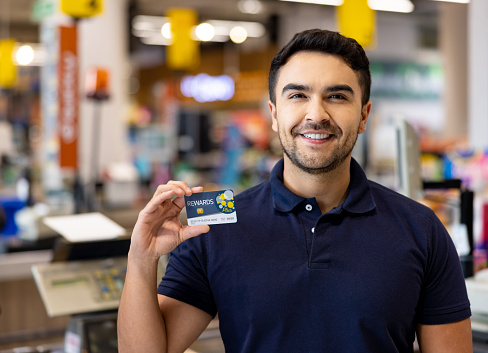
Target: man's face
{"type": "Point", "coordinates": [318, 112]}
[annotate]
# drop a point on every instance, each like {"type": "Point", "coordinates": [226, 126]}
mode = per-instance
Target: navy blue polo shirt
{"type": "Point", "coordinates": [286, 278]}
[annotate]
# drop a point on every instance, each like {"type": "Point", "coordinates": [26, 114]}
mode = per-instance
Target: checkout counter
{"type": "Point", "coordinates": [81, 283]}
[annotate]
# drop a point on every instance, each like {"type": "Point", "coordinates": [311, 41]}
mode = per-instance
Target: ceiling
{"type": "Point", "coordinates": [15, 15]}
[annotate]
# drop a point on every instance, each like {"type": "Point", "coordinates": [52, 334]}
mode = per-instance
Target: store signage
{"type": "Point", "coordinates": [42, 9]}
{"type": "Point", "coordinates": [397, 80]}
{"type": "Point", "coordinates": [68, 97]}
{"type": "Point", "coordinates": [205, 88]}
{"type": "Point", "coordinates": [81, 8]}
{"type": "Point", "coordinates": [183, 53]}
{"type": "Point", "coordinates": [357, 20]}
{"type": "Point", "coordinates": [8, 72]}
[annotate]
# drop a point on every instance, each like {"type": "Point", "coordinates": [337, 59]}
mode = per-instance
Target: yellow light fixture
{"type": "Point", "coordinates": [183, 53]}
{"type": "Point", "coordinates": [81, 8]}
{"type": "Point", "coordinates": [8, 71]}
{"type": "Point", "coordinates": [357, 20]}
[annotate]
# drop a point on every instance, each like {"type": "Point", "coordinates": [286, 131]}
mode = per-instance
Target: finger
{"type": "Point", "coordinates": [192, 231]}
{"type": "Point", "coordinates": [177, 189]}
{"type": "Point", "coordinates": [180, 201]}
{"type": "Point", "coordinates": [157, 200]}
{"type": "Point", "coordinates": [182, 185]}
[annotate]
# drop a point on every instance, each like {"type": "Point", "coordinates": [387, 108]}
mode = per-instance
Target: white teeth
{"type": "Point", "coordinates": [316, 136]}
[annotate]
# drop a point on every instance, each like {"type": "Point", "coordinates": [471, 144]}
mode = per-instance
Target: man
{"type": "Point", "coordinates": [321, 259]}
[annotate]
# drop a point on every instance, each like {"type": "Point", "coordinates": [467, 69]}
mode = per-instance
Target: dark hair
{"type": "Point", "coordinates": [327, 42]}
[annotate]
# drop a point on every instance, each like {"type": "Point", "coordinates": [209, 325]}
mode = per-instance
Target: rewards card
{"type": "Point", "coordinates": [213, 207]}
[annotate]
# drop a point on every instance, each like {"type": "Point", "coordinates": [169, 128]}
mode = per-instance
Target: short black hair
{"type": "Point", "coordinates": [328, 42]}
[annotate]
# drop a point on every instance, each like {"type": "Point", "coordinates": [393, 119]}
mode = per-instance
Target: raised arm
{"type": "Point", "coordinates": [146, 323]}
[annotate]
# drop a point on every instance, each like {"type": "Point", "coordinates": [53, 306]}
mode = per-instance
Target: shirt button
{"type": "Point", "coordinates": [308, 207]}
{"type": "Point", "coordinates": [313, 230]}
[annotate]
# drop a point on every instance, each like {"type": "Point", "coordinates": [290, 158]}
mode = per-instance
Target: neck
{"type": "Point", "coordinates": [329, 189]}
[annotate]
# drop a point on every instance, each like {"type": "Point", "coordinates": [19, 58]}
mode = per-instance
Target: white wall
{"type": "Point", "coordinates": [478, 73]}
{"type": "Point", "coordinates": [103, 43]}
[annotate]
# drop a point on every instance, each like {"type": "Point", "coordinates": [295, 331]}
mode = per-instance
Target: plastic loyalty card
{"type": "Point", "coordinates": [213, 207]}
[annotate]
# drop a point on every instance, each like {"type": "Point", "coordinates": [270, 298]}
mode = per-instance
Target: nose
{"type": "Point", "coordinates": [317, 111]}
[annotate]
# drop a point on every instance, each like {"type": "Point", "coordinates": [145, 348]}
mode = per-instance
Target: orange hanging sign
{"type": "Point", "coordinates": [97, 83]}
{"type": "Point", "coordinates": [68, 97]}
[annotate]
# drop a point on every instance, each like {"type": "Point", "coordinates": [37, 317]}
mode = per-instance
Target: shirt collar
{"type": "Point", "coordinates": [360, 199]}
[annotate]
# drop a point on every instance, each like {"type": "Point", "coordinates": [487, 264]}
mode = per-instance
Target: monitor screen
{"type": "Point", "coordinates": [101, 336]}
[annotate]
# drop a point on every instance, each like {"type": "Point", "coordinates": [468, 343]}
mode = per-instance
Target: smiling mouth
{"type": "Point", "coordinates": [316, 136]}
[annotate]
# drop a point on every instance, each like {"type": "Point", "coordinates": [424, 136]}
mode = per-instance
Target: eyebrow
{"type": "Point", "coordinates": [337, 88]}
{"type": "Point", "coordinates": [305, 88]}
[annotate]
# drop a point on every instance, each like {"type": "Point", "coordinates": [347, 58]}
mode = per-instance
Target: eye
{"type": "Point", "coordinates": [297, 96]}
{"type": "Point", "coordinates": [337, 96]}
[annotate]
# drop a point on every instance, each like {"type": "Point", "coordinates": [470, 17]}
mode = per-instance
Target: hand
{"type": "Point", "coordinates": [158, 229]}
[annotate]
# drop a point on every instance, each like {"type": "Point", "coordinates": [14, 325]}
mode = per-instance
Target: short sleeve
{"type": "Point", "coordinates": [186, 276]}
{"type": "Point", "coordinates": [444, 297]}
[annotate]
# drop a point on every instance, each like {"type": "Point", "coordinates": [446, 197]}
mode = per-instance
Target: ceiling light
{"type": "Point", "coordinates": [166, 31]}
{"type": "Point", "coordinates": [404, 6]}
{"type": "Point", "coordinates": [205, 32]}
{"type": "Point", "coordinates": [32, 54]}
{"type": "Point", "coordinates": [319, 2]}
{"type": "Point", "coordinates": [156, 30]}
{"type": "Point", "coordinates": [142, 22]}
{"type": "Point", "coordinates": [250, 6]}
{"type": "Point", "coordinates": [155, 40]}
{"type": "Point", "coordinates": [456, 1]}
{"type": "Point", "coordinates": [25, 55]}
{"type": "Point", "coordinates": [253, 29]}
{"type": "Point", "coordinates": [238, 34]}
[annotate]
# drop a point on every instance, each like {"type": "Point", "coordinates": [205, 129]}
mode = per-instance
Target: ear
{"type": "Point", "coordinates": [272, 110]}
{"type": "Point", "coordinates": [366, 109]}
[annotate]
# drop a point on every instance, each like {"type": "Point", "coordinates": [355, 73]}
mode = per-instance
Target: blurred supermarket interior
{"type": "Point", "coordinates": [101, 101]}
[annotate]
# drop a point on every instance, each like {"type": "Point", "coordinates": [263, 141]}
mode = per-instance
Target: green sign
{"type": "Point", "coordinates": [42, 9]}
{"type": "Point", "coordinates": [405, 80]}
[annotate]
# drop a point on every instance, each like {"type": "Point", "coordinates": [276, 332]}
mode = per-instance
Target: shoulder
{"type": "Point", "coordinates": [410, 215]}
{"type": "Point", "coordinates": [386, 197]}
{"type": "Point", "coordinates": [254, 195]}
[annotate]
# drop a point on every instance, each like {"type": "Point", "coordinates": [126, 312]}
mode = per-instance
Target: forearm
{"type": "Point", "coordinates": [140, 324]}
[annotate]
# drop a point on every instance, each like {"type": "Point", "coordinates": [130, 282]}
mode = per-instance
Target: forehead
{"type": "Point", "coordinates": [315, 68]}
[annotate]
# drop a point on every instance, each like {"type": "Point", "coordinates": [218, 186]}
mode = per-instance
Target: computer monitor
{"type": "Point", "coordinates": [409, 180]}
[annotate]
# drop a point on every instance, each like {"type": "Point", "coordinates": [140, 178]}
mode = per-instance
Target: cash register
{"type": "Point", "coordinates": [85, 280]}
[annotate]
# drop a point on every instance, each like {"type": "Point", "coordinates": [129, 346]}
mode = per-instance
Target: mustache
{"type": "Point", "coordinates": [310, 125]}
